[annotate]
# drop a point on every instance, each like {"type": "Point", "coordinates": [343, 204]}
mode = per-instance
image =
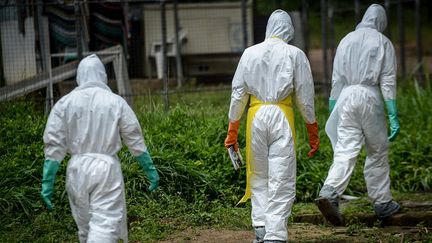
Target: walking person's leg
{"type": "Point", "coordinates": [377, 168]}
{"type": "Point", "coordinates": [258, 180]}
{"type": "Point", "coordinates": [346, 150]}
{"type": "Point", "coordinates": [281, 180]}
{"type": "Point", "coordinates": [77, 190]}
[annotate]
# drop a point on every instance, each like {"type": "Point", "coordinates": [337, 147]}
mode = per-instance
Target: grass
{"type": "Point", "coordinates": [198, 185]}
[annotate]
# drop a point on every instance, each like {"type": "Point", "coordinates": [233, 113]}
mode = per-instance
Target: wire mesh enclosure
{"type": "Point", "coordinates": [177, 45]}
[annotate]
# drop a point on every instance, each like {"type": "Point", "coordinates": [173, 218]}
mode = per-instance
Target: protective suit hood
{"type": "Point", "coordinates": [91, 70]}
{"type": "Point", "coordinates": [280, 25]}
{"type": "Point", "coordinates": [374, 18]}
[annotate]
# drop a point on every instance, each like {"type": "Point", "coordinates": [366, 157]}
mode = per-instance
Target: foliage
{"type": "Point", "coordinates": [409, 156]}
{"type": "Point", "coordinates": [198, 185]}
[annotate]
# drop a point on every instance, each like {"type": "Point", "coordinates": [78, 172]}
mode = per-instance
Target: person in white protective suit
{"type": "Point", "coordinates": [364, 73]}
{"type": "Point", "coordinates": [269, 75]}
{"type": "Point", "coordinates": [90, 123]}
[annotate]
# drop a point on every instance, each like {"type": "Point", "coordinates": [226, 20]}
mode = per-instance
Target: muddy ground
{"type": "Point", "coordinates": [412, 224]}
{"type": "Point", "coordinates": [299, 232]}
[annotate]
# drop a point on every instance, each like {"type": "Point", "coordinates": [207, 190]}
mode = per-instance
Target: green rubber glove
{"type": "Point", "coordinates": [332, 104]}
{"type": "Point", "coordinates": [49, 173]}
{"type": "Point", "coordinates": [393, 119]}
{"type": "Point", "coordinates": [147, 164]}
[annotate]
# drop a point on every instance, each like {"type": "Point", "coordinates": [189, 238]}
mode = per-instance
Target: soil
{"type": "Point", "coordinates": [413, 224]}
{"type": "Point", "coordinates": [296, 232]}
{"type": "Point", "coordinates": [299, 232]}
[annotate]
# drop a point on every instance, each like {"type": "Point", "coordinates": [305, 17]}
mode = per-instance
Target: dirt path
{"type": "Point", "coordinates": [300, 232]}
{"type": "Point", "coordinates": [414, 224]}
{"type": "Point", "coordinates": [297, 232]}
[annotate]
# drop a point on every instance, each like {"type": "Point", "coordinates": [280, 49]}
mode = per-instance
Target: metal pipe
{"type": "Point", "coordinates": [305, 26]}
{"type": "Point", "coordinates": [244, 24]}
{"type": "Point", "coordinates": [419, 51]}
{"type": "Point", "coordinates": [387, 8]}
{"type": "Point", "coordinates": [179, 64]}
{"type": "Point", "coordinates": [78, 29]}
{"type": "Point", "coordinates": [164, 55]}
{"type": "Point", "coordinates": [324, 38]}
{"type": "Point", "coordinates": [332, 34]}
{"type": "Point", "coordinates": [401, 39]}
{"type": "Point", "coordinates": [357, 11]}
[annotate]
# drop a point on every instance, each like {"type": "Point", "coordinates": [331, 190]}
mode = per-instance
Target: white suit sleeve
{"type": "Point", "coordinates": [304, 88]}
{"type": "Point", "coordinates": [388, 72]}
{"type": "Point", "coordinates": [239, 95]}
{"type": "Point", "coordinates": [130, 131]}
{"type": "Point", "coordinates": [55, 135]}
{"type": "Point", "coordinates": [338, 81]}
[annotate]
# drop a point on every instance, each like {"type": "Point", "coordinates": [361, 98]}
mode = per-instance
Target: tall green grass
{"type": "Point", "coordinates": [198, 184]}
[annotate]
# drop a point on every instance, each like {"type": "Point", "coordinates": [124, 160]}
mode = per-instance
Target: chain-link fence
{"type": "Point", "coordinates": [174, 46]}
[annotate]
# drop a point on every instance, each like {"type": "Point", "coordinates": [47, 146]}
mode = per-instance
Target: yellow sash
{"type": "Point", "coordinates": [286, 106]}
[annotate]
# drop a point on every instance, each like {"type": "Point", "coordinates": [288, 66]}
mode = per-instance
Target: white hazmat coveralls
{"type": "Point", "coordinates": [364, 72]}
{"type": "Point", "coordinates": [89, 123]}
{"type": "Point", "coordinates": [270, 72]}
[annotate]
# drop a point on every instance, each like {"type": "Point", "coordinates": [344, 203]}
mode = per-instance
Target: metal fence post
{"type": "Point", "coordinates": [78, 29]}
{"type": "Point", "coordinates": [332, 34]}
{"type": "Point", "coordinates": [46, 57]}
{"type": "Point", "coordinates": [357, 11]}
{"type": "Point", "coordinates": [419, 51]}
{"type": "Point", "coordinates": [41, 31]}
{"type": "Point", "coordinates": [387, 8]}
{"type": "Point", "coordinates": [324, 40]}
{"type": "Point", "coordinates": [179, 65]}
{"type": "Point", "coordinates": [401, 39]}
{"type": "Point", "coordinates": [49, 103]}
{"type": "Point", "coordinates": [164, 55]}
{"type": "Point", "coordinates": [244, 24]}
{"type": "Point", "coordinates": [305, 26]}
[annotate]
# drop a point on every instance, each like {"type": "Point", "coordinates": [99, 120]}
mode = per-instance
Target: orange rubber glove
{"type": "Point", "coordinates": [231, 139]}
{"type": "Point", "coordinates": [313, 138]}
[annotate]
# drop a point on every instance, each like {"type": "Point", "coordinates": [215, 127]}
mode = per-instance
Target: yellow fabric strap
{"type": "Point", "coordinates": [254, 105]}
{"type": "Point", "coordinates": [277, 37]}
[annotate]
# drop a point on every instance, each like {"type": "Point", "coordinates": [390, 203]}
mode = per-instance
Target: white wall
{"type": "Point", "coordinates": [18, 51]}
{"type": "Point", "coordinates": [212, 28]}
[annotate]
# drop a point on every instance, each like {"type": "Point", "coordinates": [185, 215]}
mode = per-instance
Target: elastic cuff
{"type": "Point", "coordinates": [328, 192]}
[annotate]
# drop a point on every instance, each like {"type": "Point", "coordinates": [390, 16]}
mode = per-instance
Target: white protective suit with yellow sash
{"type": "Point", "coordinates": [271, 74]}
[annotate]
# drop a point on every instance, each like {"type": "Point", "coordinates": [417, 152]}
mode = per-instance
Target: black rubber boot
{"type": "Point", "coordinates": [385, 210]}
{"type": "Point", "coordinates": [330, 210]}
{"type": "Point", "coordinates": [259, 234]}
